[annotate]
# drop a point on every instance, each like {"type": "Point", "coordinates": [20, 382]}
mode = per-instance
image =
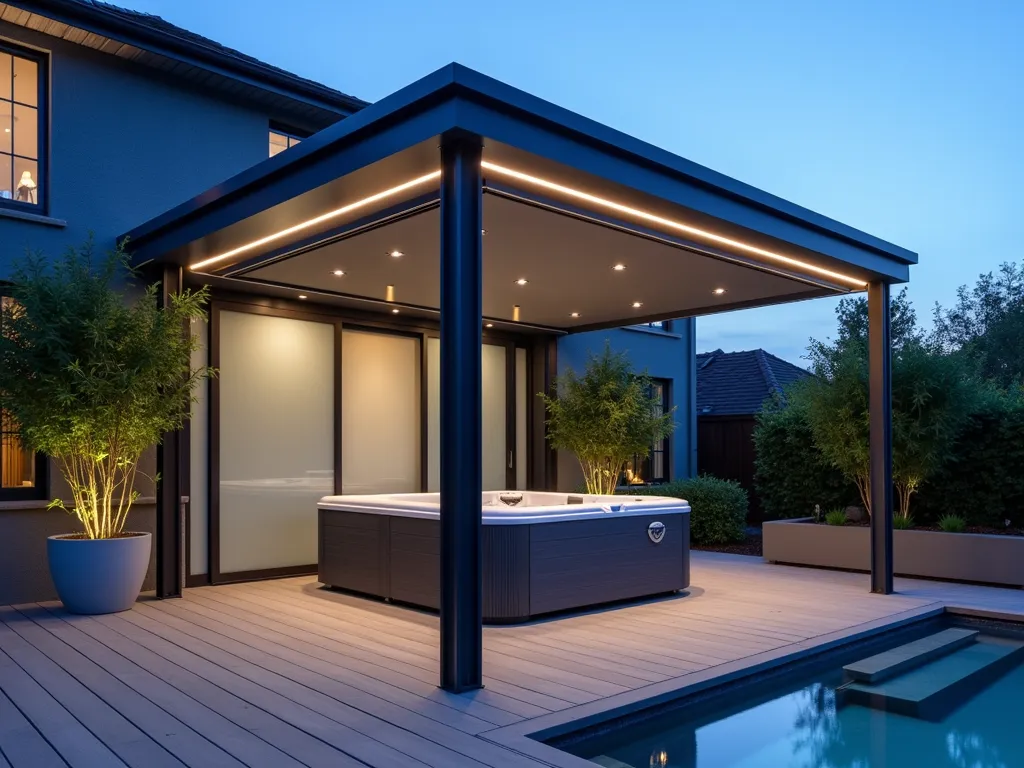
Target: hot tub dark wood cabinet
{"type": "Point", "coordinates": [528, 569]}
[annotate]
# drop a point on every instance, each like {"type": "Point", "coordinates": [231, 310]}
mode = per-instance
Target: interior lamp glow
{"type": "Point", "coordinates": [325, 217]}
{"type": "Point", "coordinates": [602, 202]}
{"type": "Point", "coordinates": [515, 313]}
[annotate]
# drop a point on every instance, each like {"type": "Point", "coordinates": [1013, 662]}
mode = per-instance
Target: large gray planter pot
{"type": "Point", "coordinates": [986, 558]}
{"type": "Point", "coordinates": [95, 576]}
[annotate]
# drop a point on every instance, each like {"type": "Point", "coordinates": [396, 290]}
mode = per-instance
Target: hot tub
{"type": "Point", "coordinates": [542, 552]}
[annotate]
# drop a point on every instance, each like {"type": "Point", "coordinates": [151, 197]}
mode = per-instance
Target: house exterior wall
{"type": "Point", "coordinates": [125, 145]}
{"type": "Point", "coordinates": [665, 355]}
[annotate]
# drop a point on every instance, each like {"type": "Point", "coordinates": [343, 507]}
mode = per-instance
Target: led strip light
{"type": "Point", "coordinates": [577, 194]}
{"type": "Point", "coordinates": [318, 220]}
{"type": "Point", "coordinates": [668, 223]}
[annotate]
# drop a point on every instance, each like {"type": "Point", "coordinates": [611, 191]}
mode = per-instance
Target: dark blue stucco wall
{"type": "Point", "coordinates": [662, 355]}
{"type": "Point", "coordinates": [125, 145]}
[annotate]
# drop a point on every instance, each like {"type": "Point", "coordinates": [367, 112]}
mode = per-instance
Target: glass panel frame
{"type": "Point", "coordinates": [24, 180]}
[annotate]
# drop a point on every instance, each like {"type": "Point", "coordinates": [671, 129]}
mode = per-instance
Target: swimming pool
{"type": "Point", "coordinates": [801, 720]}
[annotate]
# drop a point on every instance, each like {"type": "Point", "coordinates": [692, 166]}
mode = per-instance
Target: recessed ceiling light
{"type": "Point", "coordinates": [394, 311]}
{"type": "Point", "coordinates": [718, 291]}
{"type": "Point", "coordinates": [483, 231]}
{"type": "Point", "coordinates": [397, 254]}
{"type": "Point", "coordinates": [338, 272]}
{"type": "Point", "coordinates": [489, 325]}
{"type": "Point", "coordinates": [574, 314]}
{"type": "Point", "coordinates": [303, 296]}
{"type": "Point", "coordinates": [637, 304]}
{"type": "Point", "coordinates": [522, 281]}
{"type": "Point", "coordinates": [619, 267]}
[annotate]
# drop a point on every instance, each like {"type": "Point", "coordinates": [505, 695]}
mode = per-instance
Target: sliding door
{"type": "Point", "coordinates": [381, 450]}
{"type": "Point", "coordinates": [276, 401]}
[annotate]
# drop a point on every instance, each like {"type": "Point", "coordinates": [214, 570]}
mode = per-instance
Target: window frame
{"type": "Point", "coordinates": [645, 465]}
{"type": "Point", "coordinates": [40, 490]}
{"type": "Point", "coordinates": [289, 133]}
{"type": "Point", "coordinates": [42, 60]}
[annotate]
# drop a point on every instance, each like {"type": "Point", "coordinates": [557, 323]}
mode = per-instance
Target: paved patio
{"type": "Point", "coordinates": [282, 673]}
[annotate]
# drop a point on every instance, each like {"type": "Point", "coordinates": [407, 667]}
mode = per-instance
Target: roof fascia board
{"type": "Point", "coordinates": [124, 31]}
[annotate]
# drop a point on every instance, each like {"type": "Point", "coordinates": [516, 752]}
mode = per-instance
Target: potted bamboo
{"type": "Point", "coordinates": [93, 372]}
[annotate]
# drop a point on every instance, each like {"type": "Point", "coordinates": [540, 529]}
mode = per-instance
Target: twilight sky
{"type": "Point", "coordinates": [904, 118]}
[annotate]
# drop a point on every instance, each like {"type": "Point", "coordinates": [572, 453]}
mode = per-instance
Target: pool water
{"type": "Point", "coordinates": [797, 725]}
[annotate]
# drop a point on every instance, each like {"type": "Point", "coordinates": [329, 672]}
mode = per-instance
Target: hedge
{"type": "Point", "coordinates": [790, 474]}
{"type": "Point", "coordinates": [982, 480]}
{"type": "Point", "coordinates": [718, 508]}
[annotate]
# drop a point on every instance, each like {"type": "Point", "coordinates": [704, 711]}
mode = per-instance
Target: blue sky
{"type": "Point", "coordinates": [904, 118]}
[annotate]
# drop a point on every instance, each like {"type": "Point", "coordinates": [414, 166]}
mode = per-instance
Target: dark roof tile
{"type": "Point", "coordinates": [737, 383]}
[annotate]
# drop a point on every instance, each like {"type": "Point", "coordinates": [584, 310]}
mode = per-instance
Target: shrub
{"type": "Point", "coordinates": [791, 476]}
{"type": "Point", "coordinates": [605, 417]}
{"type": "Point", "coordinates": [902, 523]}
{"type": "Point", "coordinates": [718, 508]}
{"type": "Point", "coordinates": [835, 517]}
{"type": "Point", "coordinates": [953, 524]}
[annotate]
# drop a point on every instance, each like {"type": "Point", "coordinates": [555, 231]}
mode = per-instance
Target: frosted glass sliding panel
{"type": "Point", "coordinates": [276, 438]}
{"type": "Point", "coordinates": [522, 398]}
{"type": "Point", "coordinates": [380, 413]}
{"type": "Point", "coordinates": [495, 455]}
{"type": "Point", "coordinates": [495, 413]}
{"type": "Point", "coordinates": [199, 446]}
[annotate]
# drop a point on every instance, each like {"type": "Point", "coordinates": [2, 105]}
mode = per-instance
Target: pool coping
{"type": "Point", "coordinates": [528, 737]}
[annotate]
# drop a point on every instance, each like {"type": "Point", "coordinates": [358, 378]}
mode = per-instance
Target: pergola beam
{"type": "Point", "coordinates": [461, 400]}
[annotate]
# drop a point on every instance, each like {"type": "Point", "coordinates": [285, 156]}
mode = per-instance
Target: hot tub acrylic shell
{"type": "Point", "coordinates": [549, 552]}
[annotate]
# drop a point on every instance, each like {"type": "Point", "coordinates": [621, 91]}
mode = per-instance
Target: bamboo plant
{"type": "Point", "coordinates": [94, 371]}
{"type": "Point", "coordinates": [605, 417]}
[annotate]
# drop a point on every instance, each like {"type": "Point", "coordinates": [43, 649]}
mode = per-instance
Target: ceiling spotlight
{"type": "Point", "coordinates": [483, 231]}
{"type": "Point", "coordinates": [303, 296]}
{"type": "Point", "coordinates": [394, 311]}
{"type": "Point", "coordinates": [489, 325]}
{"type": "Point", "coordinates": [637, 304]}
{"type": "Point", "coordinates": [397, 254]}
{"type": "Point", "coordinates": [522, 281]}
{"type": "Point", "coordinates": [619, 267]}
{"type": "Point", "coordinates": [718, 291]}
{"type": "Point", "coordinates": [338, 272]}
{"type": "Point", "coordinates": [574, 314]}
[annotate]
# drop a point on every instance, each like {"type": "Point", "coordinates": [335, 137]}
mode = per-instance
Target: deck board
{"type": "Point", "coordinates": [284, 673]}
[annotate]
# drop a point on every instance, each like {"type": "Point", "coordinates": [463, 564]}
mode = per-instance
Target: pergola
{"type": "Point", "coordinates": [493, 187]}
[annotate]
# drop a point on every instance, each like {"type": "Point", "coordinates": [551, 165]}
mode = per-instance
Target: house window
{"type": "Point", "coordinates": [22, 129]}
{"type": "Point", "coordinates": [22, 473]}
{"type": "Point", "coordinates": [280, 140]}
{"type": "Point", "coordinates": [652, 468]}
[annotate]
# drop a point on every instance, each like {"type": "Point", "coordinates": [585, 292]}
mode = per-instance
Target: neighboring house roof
{"type": "Point", "coordinates": [737, 383]}
{"type": "Point", "coordinates": [155, 42]}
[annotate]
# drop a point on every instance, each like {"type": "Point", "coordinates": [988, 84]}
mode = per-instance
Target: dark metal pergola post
{"type": "Point", "coordinates": [461, 464]}
{"type": "Point", "coordinates": [880, 407]}
{"type": "Point", "coordinates": [170, 521]}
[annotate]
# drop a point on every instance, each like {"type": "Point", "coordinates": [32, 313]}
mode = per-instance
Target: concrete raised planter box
{"type": "Point", "coordinates": [990, 559]}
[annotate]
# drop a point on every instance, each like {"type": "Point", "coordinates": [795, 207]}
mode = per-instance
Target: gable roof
{"type": "Point", "coordinates": [738, 383]}
{"type": "Point", "coordinates": [153, 41]}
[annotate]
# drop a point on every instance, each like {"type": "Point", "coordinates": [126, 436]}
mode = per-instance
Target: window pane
{"type": "Point", "coordinates": [494, 424]}
{"type": "Point", "coordinates": [6, 123]}
{"type": "Point", "coordinates": [6, 171]}
{"type": "Point", "coordinates": [278, 143]}
{"type": "Point", "coordinates": [26, 131]}
{"type": "Point", "coordinates": [5, 75]}
{"type": "Point", "coordinates": [292, 141]}
{"type": "Point", "coordinates": [26, 181]}
{"type": "Point", "coordinates": [19, 465]}
{"type": "Point", "coordinates": [26, 81]}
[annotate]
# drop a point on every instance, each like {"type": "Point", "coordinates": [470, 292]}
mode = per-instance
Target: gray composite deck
{"type": "Point", "coordinates": [283, 673]}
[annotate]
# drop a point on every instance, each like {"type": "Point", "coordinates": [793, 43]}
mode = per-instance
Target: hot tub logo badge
{"type": "Point", "coordinates": [656, 532]}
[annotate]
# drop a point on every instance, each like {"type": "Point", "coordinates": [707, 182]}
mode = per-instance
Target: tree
{"type": "Point", "coordinates": [605, 417]}
{"type": "Point", "coordinates": [92, 378]}
{"type": "Point", "coordinates": [932, 398]}
{"type": "Point", "coordinates": [986, 325]}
